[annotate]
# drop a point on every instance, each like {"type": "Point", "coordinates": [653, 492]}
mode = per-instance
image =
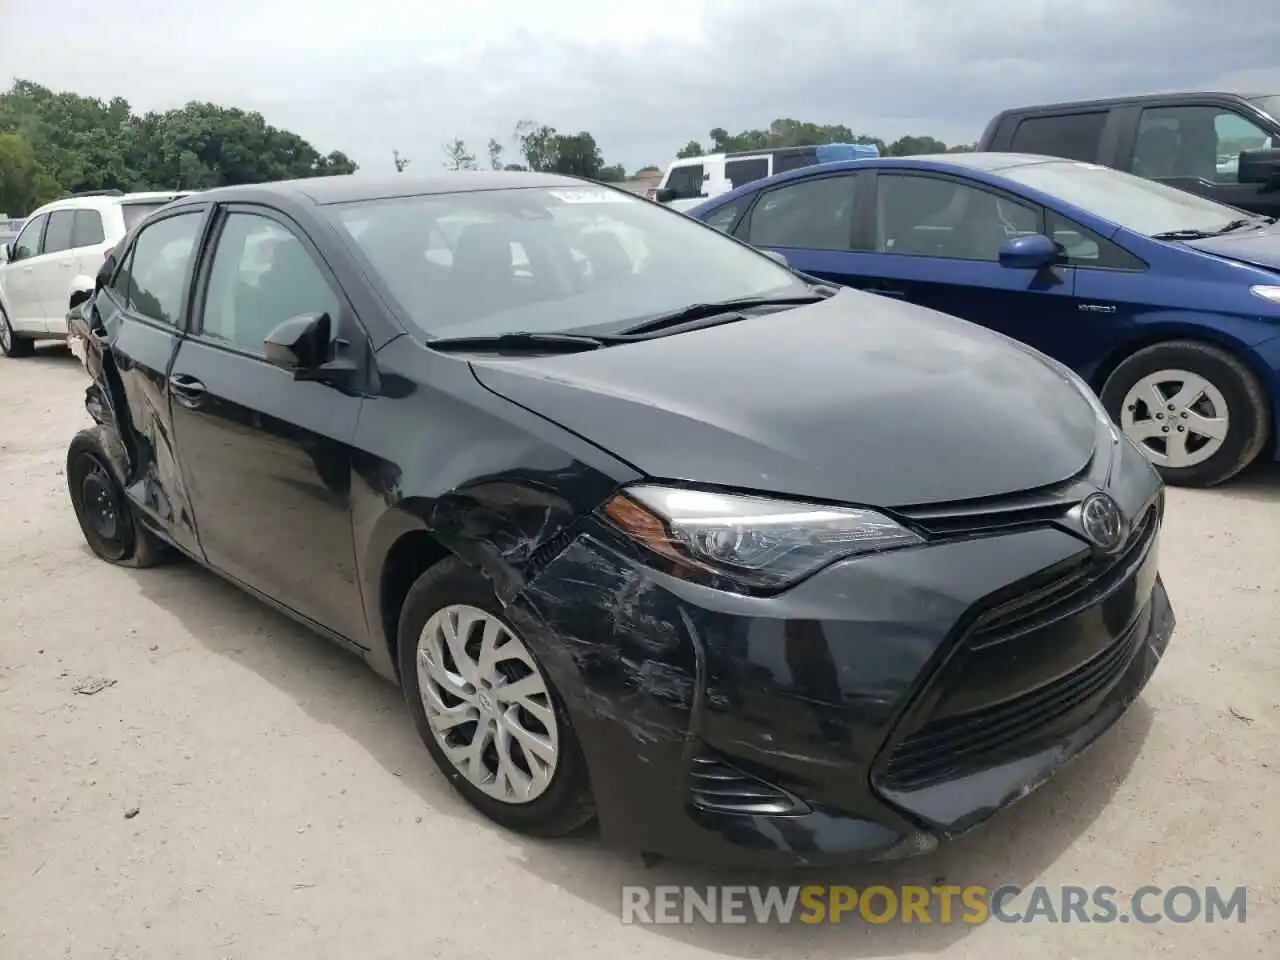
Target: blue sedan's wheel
{"type": "Point", "coordinates": [1196, 412]}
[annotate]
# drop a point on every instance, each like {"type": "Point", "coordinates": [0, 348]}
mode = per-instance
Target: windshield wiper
{"type": "Point", "coordinates": [523, 342]}
{"type": "Point", "coordinates": [725, 311]}
{"type": "Point", "coordinates": [1201, 234]}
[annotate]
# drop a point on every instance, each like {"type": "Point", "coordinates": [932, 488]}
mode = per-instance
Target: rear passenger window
{"type": "Point", "coordinates": [87, 229]}
{"type": "Point", "coordinates": [1076, 136]}
{"type": "Point", "coordinates": [813, 214]}
{"type": "Point", "coordinates": [58, 236]}
{"type": "Point", "coordinates": [262, 275]}
{"type": "Point", "coordinates": [741, 172]}
{"type": "Point", "coordinates": [794, 159]}
{"type": "Point", "coordinates": [156, 276]}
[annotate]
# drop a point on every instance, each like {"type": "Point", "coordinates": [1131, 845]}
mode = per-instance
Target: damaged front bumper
{"type": "Point", "coordinates": [869, 712]}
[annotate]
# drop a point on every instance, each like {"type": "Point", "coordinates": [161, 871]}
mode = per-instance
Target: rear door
{"type": "Point", "coordinates": [935, 241]}
{"type": "Point", "coordinates": [809, 221]}
{"type": "Point", "coordinates": [268, 458]}
{"type": "Point", "coordinates": [55, 267]}
{"type": "Point", "coordinates": [18, 278]}
{"type": "Point", "coordinates": [141, 313]}
{"type": "Point", "coordinates": [1081, 133]}
{"type": "Point", "coordinates": [1196, 147]}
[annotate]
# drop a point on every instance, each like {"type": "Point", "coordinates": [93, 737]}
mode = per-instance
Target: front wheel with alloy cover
{"type": "Point", "coordinates": [1196, 411]}
{"type": "Point", "coordinates": [13, 344]}
{"type": "Point", "coordinates": [106, 517]}
{"type": "Point", "coordinates": [486, 709]}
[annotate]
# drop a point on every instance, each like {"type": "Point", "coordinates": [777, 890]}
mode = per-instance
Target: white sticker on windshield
{"type": "Point", "coordinates": [591, 195]}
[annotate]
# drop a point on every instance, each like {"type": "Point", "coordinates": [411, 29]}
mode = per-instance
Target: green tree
{"type": "Point", "coordinates": [614, 173]}
{"type": "Point", "coordinates": [399, 160]}
{"type": "Point", "coordinates": [578, 156]}
{"type": "Point", "coordinates": [85, 143]}
{"type": "Point", "coordinates": [783, 132]}
{"type": "Point", "coordinates": [24, 184]}
{"type": "Point", "coordinates": [457, 157]}
{"type": "Point", "coordinates": [495, 154]}
{"type": "Point", "coordinates": [691, 149]}
{"type": "Point", "coordinates": [538, 144]}
{"type": "Point", "coordinates": [650, 168]}
{"type": "Point", "coordinates": [914, 146]}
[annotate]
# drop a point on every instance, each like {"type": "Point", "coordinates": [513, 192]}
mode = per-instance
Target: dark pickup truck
{"type": "Point", "coordinates": [1219, 145]}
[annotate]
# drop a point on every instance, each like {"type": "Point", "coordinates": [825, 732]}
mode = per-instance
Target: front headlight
{"type": "Point", "coordinates": [758, 541]}
{"type": "Point", "coordinates": [1266, 292]}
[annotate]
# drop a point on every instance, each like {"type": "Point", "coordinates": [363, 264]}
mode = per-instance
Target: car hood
{"type": "Point", "coordinates": [1259, 248]}
{"type": "Point", "coordinates": [857, 399]}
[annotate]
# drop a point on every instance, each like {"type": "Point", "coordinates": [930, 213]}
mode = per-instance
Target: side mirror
{"type": "Point", "coordinates": [80, 297]}
{"type": "Point", "coordinates": [1029, 253]}
{"type": "Point", "coordinates": [776, 257]}
{"type": "Point", "coordinates": [664, 195]}
{"type": "Point", "coordinates": [1259, 166]}
{"type": "Point", "coordinates": [300, 344]}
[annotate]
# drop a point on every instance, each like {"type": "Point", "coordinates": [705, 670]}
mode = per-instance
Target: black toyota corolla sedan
{"type": "Point", "coordinates": [650, 529]}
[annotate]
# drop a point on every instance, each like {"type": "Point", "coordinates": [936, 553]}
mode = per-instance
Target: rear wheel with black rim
{"type": "Point", "coordinates": [13, 344]}
{"type": "Point", "coordinates": [1196, 411]}
{"type": "Point", "coordinates": [105, 515]}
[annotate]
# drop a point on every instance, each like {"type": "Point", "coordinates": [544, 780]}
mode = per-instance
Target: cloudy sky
{"type": "Point", "coordinates": [644, 77]}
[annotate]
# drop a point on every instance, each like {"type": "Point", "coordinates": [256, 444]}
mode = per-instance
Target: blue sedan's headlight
{"type": "Point", "coordinates": [1266, 292]}
{"type": "Point", "coordinates": [758, 541]}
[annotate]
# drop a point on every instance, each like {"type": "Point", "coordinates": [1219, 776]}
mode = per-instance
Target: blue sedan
{"type": "Point", "coordinates": [1166, 303]}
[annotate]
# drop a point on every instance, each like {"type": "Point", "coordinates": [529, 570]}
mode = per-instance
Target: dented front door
{"type": "Point", "coordinates": [140, 316]}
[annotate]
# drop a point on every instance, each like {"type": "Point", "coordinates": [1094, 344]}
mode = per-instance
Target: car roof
{"type": "Point", "coordinates": [1106, 102]}
{"type": "Point", "coordinates": [940, 162]}
{"type": "Point", "coordinates": [101, 201]}
{"type": "Point", "coordinates": [349, 188]}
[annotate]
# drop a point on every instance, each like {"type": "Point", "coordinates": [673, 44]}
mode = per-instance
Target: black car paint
{"type": "Point", "coordinates": [839, 425]}
{"type": "Point", "coordinates": [425, 458]}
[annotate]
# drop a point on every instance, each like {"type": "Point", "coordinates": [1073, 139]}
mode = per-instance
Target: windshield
{"type": "Point", "coordinates": [543, 260]}
{"type": "Point", "coordinates": [1269, 105]}
{"type": "Point", "coordinates": [1143, 206]}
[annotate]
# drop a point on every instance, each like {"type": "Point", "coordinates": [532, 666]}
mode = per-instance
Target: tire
{"type": "Point", "coordinates": [1211, 378]}
{"type": "Point", "coordinates": [12, 344]}
{"type": "Point", "coordinates": [563, 803]}
{"type": "Point", "coordinates": [94, 486]}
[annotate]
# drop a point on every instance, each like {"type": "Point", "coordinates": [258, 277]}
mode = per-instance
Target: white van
{"type": "Point", "coordinates": [690, 180]}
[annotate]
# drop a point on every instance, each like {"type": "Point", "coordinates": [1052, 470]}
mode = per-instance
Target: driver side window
{"type": "Point", "coordinates": [262, 275]}
{"type": "Point", "coordinates": [28, 243]}
{"type": "Point", "coordinates": [926, 216]}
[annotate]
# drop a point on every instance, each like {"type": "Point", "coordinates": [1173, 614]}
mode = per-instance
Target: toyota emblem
{"type": "Point", "coordinates": [1103, 522]}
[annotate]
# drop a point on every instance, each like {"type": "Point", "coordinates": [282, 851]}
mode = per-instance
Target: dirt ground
{"type": "Point", "coordinates": [285, 808]}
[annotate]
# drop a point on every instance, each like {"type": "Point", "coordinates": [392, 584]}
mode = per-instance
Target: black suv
{"type": "Point", "coordinates": [1219, 145]}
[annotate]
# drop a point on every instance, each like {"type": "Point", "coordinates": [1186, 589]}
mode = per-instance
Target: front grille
{"type": "Point", "coordinates": [719, 787]}
{"type": "Point", "coordinates": [1063, 592]}
{"type": "Point", "coordinates": [984, 738]}
{"type": "Point", "coordinates": [945, 747]}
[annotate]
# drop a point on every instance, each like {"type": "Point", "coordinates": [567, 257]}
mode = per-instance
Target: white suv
{"type": "Point", "coordinates": [59, 251]}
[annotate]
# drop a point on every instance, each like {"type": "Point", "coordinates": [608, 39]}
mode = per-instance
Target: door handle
{"type": "Point", "coordinates": [887, 292]}
{"type": "Point", "coordinates": [187, 390]}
